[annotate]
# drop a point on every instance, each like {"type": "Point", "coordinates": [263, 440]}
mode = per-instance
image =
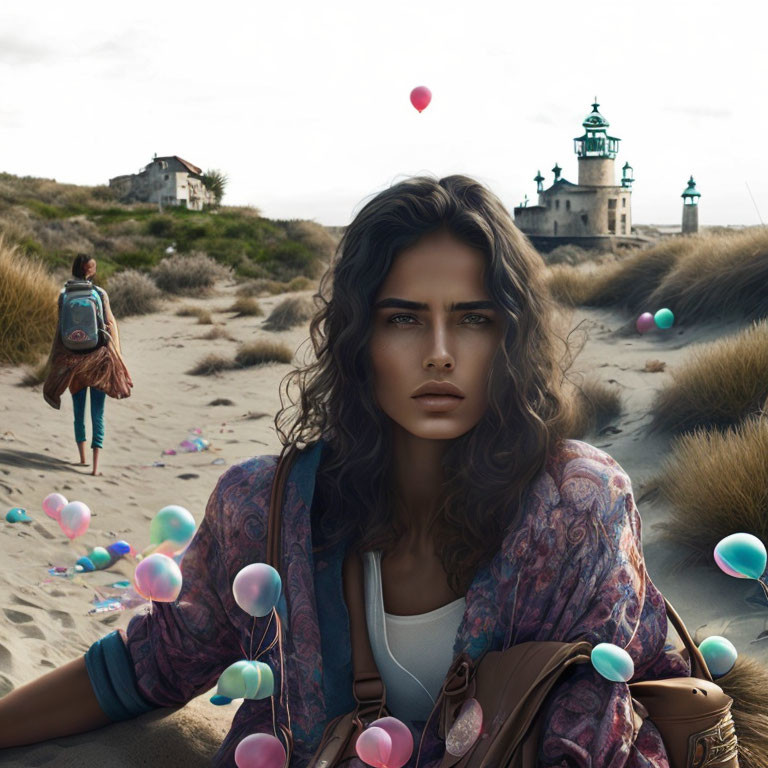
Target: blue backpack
{"type": "Point", "coordinates": [81, 317]}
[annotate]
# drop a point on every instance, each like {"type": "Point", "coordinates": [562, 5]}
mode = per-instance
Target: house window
{"type": "Point", "coordinates": [623, 223]}
{"type": "Point", "coordinates": [567, 205]}
{"type": "Point", "coordinates": [166, 177]}
{"type": "Point", "coordinates": [555, 227]}
{"type": "Point", "coordinates": [584, 219]}
{"type": "Point", "coordinates": [557, 205]}
{"type": "Point", "coordinates": [549, 203]}
{"type": "Point", "coordinates": [612, 204]}
{"type": "Point", "coordinates": [623, 202]}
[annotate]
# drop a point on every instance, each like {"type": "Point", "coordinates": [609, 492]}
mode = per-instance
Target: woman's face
{"type": "Point", "coordinates": [412, 346]}
{"type": "Point", "coordinates": [90, 267]}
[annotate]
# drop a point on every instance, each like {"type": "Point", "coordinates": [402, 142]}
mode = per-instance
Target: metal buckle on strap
{"type": "Point", "coordinates": [460, 674]}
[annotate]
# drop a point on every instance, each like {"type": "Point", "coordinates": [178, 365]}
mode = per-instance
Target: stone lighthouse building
{"type": "Point", "coordinates": [690, 197]}
{"type": "Point", "coordinates": [596, 212]}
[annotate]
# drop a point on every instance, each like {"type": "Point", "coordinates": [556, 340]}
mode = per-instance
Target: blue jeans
{"type": "Point", "coordinates": [97, 416]}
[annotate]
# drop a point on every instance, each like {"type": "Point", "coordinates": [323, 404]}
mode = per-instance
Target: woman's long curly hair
{"type": "Point", "coordinates": [488, 469]}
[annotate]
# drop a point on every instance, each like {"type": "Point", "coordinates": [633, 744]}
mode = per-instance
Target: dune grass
{"type": "Point", "coordinates": [596, 405]}
{"type": "Point", "coordinates": [719, 385]}
{"type": "Point", "coordinates": [746, 684]}
{"type": "Point", "coordinates": [203, 315]}
{"type": "Point", "coordinates": [189, 275]}
{"type": "Point", "coordinates": [211, 364]}
{"type": "Point", "coordinates": [132, 293]}
{"type": "Point", "coordinates": [28, 309]}
{"type": "Point", "coordinates": [701, 278]}
{"type": "Point", "coordinates": [289, 313]}
{"type": "Point", "coordinates": [716, 483]}
{"type": "Point", "coordinates": [263, 351]}
{"type": "Point", "coordinates": [246, 307]}
{"type": "Point", "coordinates": [218, 332]}
{"type": "Point", "coordinates": [265, 287]}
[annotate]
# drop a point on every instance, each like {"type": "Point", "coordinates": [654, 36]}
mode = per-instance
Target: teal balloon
{"type": "Point", "coordinates": [244, 680]}
{"type": "Point", "coordinates": [86, 564]}
{"type": "Point", "coordinates": [18, 515]}
{"type": "Point", "coordinates": [256, 588]}
{"type": "Point", "coordinates": [612, 662]}
{"type": "Point", "coordinates": [719, 653]}
{"type": "Point", "coordinates": [664, 318]}
{"type": "Point", "coordinates": [100, 557]}
{"type": "Point", "coordinates": [172, 523]}
{"type": "Point", "coordinates": [743, 553]}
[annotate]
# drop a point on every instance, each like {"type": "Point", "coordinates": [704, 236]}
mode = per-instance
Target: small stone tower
{"type": "Point", "coordinates": [596, 151]}
{"type": "Point", "coordinates": [691, 197]}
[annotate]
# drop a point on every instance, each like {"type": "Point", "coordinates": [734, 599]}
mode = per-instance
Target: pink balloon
{"type": "Point", "coordinates": [74, 519]}
{"type": "Point", "coordinates": [645, 322]}
{"type": "Point", "coordinates": [374, 746]}
{"type": "Point", "coordinates": [260, 750]}
{"type": "Point", "coordinates": [401, 737]}
{"type": "Point", "coordinates": [53, 503]}
{"type": "Point", "coordinates": [420, 97]}
{"type": "Point", "coordinates": [158, 578]}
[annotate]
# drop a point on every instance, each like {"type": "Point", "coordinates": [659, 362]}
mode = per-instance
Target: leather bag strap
{"type": "Point", "coordinates": [698, 665]}
{"type": "Point", "coordinates": [368, 687]}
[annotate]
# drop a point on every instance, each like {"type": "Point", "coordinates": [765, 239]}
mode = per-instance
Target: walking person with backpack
{"type": "Point", "coordinates": [86, 353]}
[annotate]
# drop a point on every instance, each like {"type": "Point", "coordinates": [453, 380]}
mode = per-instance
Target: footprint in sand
{"type": "Point", "coordinates": [32, 630]}
{"type": "Point", "coordinates": [17, 617]}
{"type": "Point", "coordinates": [43, 532]}
{"type": "Point", "coordinates": [65, 619]}
{"type": "Point", "coordinates": [6, 686]}
{"type": "Point", "coordinates": [188, 476]}
{"type": "Point", "coordinates": [6, 659]}
{"type": "Point", "coordinates": [21, 601]}
{"type": "Point", "coordinates": [46, 663]}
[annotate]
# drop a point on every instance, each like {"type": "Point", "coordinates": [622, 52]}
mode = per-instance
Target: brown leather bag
{"type": "Point", "coordinates": [692, 714]}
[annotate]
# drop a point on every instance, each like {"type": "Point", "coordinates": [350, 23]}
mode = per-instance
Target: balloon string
{"type": "Point", "coordinates": [274, 722]}
{"type": "Point", "coordinates": [762, 584]}
{"type": "Point", "coordinates": [282, 671]}
{"type": "Point", "coordinates": [269, 624]}
{"type": "Point", "coordinates": [250, 647]}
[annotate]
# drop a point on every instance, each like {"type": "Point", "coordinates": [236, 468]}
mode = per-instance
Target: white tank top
{"type": "Point", "coordinates": [413, 653]}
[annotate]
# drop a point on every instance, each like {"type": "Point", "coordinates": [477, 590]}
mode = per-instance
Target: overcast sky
{"type": "Point", "coordinates": [305, 105]}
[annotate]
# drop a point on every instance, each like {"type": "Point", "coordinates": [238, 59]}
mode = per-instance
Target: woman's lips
{"type": "Point", "coordinates": [438, 402]}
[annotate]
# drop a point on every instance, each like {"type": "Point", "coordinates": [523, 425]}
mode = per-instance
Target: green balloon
{"type": "Point", "coordinates": [100, 557]}
{"type": "Point", "coordinates": [246, 680]}
{"type": "Point", "coordinates": [664, 318]}
{"type": "Point", "coordinates": [172, 523]}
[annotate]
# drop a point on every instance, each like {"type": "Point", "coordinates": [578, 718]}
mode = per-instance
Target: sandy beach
{"type": "Point", "coordinates": [44, 620]}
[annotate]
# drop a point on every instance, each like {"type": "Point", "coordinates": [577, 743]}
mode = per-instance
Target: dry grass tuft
{"type": "Point", "coordinates": [691, 275]}
{"type": "Point", "coordinates": [595, 406]}
{"type": "Point", "coordinates": [245, 307]}
{"type": "Point", "coordinates": [218, 332]}
{"type": "Point", "coordinates": [203, 315]}
{"type": "Point", "coordinates": [261, 352]}
{"type": "Point", "coordinates": [28, 309]}
{"type": "Point", "coordinates": [132, 293]}
{"type": "Point", "coordinates": [288, 313]}
{"type": "Point", "coordinates": [212, 364]}
{"type": "Point", "coordinates": [715, 484]}
{"type": "Point", "coordinates": [746, 684]}
{"type": "Point", "coordinates": [35, 375]}
{"type": "Point", "coordinates": [261, 287]}
{"type": "Point", "coordinates": [189, 275]}
{"type": "Point", "coordinates": [719, 385]}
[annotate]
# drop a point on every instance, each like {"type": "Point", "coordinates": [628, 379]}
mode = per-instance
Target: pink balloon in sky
{"type": "Point", "coordinates": [420, 97]}
{"type": "Point", "coordinates": [74, 519]}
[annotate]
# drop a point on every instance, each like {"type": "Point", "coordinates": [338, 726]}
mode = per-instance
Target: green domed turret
{"type": "Point", "coordinates": [596, 142]}
{"type": "Point", "coordinates": [690, 193]}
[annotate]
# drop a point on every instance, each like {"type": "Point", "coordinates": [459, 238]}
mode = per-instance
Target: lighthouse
{"type": "Point", "coordinates": [596, 151]}
{"type": "Point", "coordinates": [690, 197]}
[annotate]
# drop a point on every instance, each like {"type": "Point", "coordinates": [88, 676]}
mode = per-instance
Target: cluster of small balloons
{"type": "Point", "coordinates": [158, 576]}
{"type": "Point", "coordinates": [73, 517]}
{"type": "Point", "coordinates": [662, 319]}
{"type": "Point", "coordinates": [740, 555]}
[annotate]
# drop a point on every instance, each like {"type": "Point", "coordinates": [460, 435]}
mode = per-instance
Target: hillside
{"type": "Point", "coordinates": [53, 222]}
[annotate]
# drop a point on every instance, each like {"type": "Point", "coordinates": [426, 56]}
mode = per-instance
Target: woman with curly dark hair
{"type": "Point", "coordinates": [433, 427]}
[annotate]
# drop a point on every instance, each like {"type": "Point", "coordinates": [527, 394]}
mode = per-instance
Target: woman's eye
{"type": "Point", "coordinates": [483, 318]}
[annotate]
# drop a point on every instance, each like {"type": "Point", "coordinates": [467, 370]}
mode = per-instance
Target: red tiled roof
{"type": "Point", "coordinates": [191, 168]}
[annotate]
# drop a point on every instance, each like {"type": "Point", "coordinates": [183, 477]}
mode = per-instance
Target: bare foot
{"type": "Point", "coordinates": [97, 473]}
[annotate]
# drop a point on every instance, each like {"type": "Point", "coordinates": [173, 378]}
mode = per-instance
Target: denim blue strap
{"type": "Point", "coordinates": [110, 669]}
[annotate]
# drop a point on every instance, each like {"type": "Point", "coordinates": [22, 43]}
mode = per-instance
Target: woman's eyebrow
{"type": "Point", "coordinates": [455, 307]}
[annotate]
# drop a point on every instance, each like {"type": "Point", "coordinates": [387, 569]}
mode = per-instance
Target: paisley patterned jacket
{"type": "Point", "coordinates": [571, 567]}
